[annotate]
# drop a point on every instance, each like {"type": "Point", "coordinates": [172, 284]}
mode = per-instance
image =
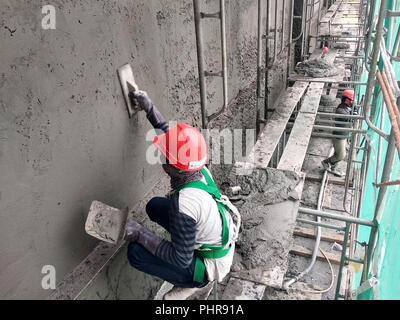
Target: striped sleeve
{"type": "Point", "coordinates": [180, 250]}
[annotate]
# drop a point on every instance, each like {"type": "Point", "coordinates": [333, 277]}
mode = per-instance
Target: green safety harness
{"type": "Point", "coordinates": [207, 251]}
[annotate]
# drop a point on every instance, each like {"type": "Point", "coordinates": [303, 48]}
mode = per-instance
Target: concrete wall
{"type": "Point", "coordinates": [65, 137]}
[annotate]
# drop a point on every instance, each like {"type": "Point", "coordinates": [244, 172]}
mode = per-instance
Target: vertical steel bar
{"type": "Point", "coordinates": [378, 157]}
{"type": "Point", "coordinates": [363, 176]}
{"type": "Point", "coordinates": [259, 66]}
{"type": "Point", "coordinates": [373, 69]}
{"type": "Point", "coordinates": [275, 33]}
{"type": "Point", "coordinates": [223, 54]}
{"type": "Point", "coordinates": [380, 203]}
{"type": "Point", "coordinates": [396, 45]}
{"type": "Point", "coordinates": [342, 260]}
{"type": "Point", "coordinates": [290, 37]}
{"type": "Point", "coordinates": [266, 79]}
{"type": "Point", "coordinates": [305, 34]}
{"type": "Point", "coordinates": [200, 63]}
{"type": "Point", "coordinates": [283, 25]}
{"type": "Point", "coordinates": [348, 168]}
{"type": "Point", "coordinates": [307, 38]}
{"type": "Point", "coordinates": [370, 23]}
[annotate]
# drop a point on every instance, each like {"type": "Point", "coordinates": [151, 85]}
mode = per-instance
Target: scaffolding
{"type": "Point", "coordinates": [361, 146]}
{"type": "Point", "coordinates": [366, 59]}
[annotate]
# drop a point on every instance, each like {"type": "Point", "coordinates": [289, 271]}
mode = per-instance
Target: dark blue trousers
{"type": "Point", "coordinates": [158, 211]}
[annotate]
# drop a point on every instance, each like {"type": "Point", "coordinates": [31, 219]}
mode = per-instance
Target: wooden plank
{"type": "Point", "coordinates": [299, 78]}
{"type": "Point", "coordinates": [296, 148]}
{"type": "Point", "coordinates": [325, 235]}
{"type": "Point", "coordinates": [311, 99]}
{"type": "Point", "coordinates": [332, 180]}
{"type": "Point", "coordinates": [305, 252]}
{"type": "Point", "coordinates": [295, 151]}
{"type": "Point", "coordinates": [331, 12]}
{"type": "Point", "coordinates": [264, 148]}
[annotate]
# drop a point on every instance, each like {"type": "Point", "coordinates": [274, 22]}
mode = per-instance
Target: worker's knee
{"type": "Point", "coordinates": [152, 208]}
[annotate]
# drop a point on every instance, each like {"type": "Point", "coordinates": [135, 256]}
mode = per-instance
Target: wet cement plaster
{"type": "Point", "coordinates": [260, 244]}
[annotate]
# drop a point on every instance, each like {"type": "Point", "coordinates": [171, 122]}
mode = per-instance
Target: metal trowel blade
{"type": "Point", "coordinates": [128, 84]}
{"type": "Point", "coordinates": [131, 88]}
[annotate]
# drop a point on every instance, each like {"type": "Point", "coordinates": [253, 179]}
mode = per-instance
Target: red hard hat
{"type": "Point", "coordinates": [348, 94]}
{"type": "Point", "coordinates": [326, 50]}
{"type": "Point", "coordinates": [184, 147]}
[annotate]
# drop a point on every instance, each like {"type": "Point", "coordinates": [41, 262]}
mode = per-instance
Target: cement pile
{"type": "Point", "coordinates": [265, 186]}
{"type": "Point", "coordinates": [263, 237]}
{"type": "Point", "coordinates": [316, 68]}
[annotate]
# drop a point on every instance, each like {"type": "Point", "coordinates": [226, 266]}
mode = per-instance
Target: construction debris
{"type": "Point", "coordinates": [316, 68]}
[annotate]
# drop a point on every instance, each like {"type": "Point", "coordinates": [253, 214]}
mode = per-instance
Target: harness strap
{"type": "Point", "coordinates": [209, 251]}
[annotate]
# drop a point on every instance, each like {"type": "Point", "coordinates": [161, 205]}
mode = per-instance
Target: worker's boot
{"type": "Point", "coordinates": [334, 170]}
{"type": "Point", "coordinates": [177, 293]}
{"type": "Point", "coordinates": [337, 173]}
{"type": "Point", "coordinates": [326, 164]}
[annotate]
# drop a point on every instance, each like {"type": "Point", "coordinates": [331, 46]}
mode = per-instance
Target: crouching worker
{"type": "Point", "coordinates": [339, 144]}
{"type": "Point", "coordinates": [203, 233]}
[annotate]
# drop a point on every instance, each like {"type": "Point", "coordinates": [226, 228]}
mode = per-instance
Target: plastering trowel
{"type": "Point", "coordinates": [106, 223]}
{"type": "Point", "coordinates": [128, 84]}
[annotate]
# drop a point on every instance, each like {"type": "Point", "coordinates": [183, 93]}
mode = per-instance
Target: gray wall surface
{"type": "Point", "coordinates": [65, 137]}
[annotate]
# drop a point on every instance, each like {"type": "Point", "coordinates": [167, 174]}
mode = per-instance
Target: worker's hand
{"type": "Point", "coordinates": [141, 99]}
{"type": "Point", "coordinates": [132, 230]}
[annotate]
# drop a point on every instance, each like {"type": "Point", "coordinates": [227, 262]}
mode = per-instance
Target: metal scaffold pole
{"type": "Point", "coordinates": [198, 16]}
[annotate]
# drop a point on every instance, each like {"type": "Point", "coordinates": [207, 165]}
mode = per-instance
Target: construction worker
{"type": "Point", "coordinates": [339, 144]}
{"type": "Point", "coordinates": [201, 227]}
